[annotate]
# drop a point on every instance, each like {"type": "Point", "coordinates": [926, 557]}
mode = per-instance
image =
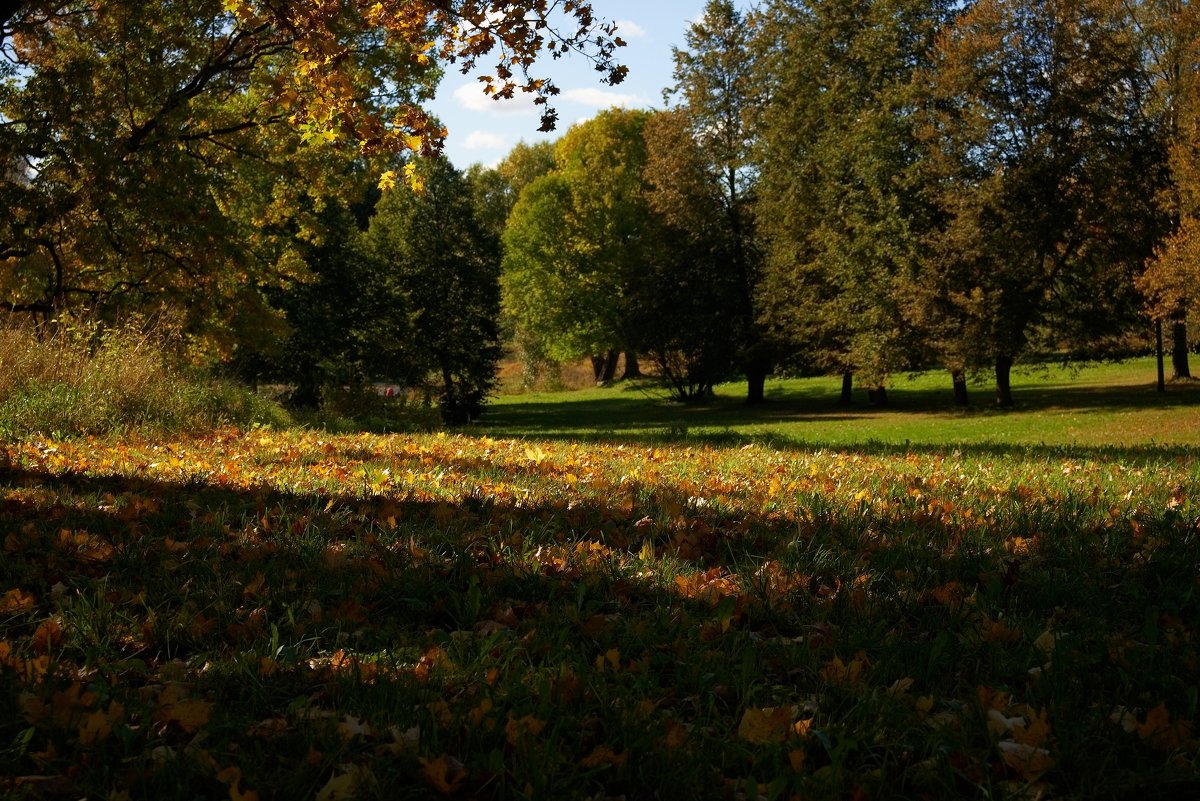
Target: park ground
{"type": "Point", "coordinates": [602, 595]}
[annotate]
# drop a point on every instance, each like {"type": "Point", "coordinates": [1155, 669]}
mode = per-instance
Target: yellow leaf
{"type": "Point", "coordinates": [387, 180]}
{"type": "Point", "coordinates": [767, 725]}
{"type": "Point", "coordinates": [189, 714]}
{"type": "Point", "coordinates": [347, 785]}
{"type": "Point", "coordinates": [99, 724]}
{"type": "Point", "coordinates": [414, 181]}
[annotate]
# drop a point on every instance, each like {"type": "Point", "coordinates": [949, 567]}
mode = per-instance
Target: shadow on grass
{"type": "Point", "coordinates": [633, 416]}
{"type": "Point", "coordinates": [213, 580]}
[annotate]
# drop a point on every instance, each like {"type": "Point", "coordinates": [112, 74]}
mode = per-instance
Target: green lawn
{"type": "Point", "coordinates": [1097, 406]}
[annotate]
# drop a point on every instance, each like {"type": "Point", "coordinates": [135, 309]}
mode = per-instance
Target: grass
{"type": "Point", "coordinates": [614, 609]}
{"type": "Point", "coordinates": [1101, 406]}
{"type": "Point", "coordinates": [91, 381]}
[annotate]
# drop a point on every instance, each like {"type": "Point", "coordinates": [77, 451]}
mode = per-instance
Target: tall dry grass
{"type": "Point", "coordinates": [89, 380]}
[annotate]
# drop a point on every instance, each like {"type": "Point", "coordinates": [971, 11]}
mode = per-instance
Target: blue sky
{"type": "Point", "coordinates": [483, 130]}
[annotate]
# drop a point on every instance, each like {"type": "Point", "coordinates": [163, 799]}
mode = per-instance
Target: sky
{"type": "Point", "coordinates": [484, 131]}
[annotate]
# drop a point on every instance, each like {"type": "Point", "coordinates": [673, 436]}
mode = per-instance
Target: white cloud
{"type": "Point", "coordinates": [628, 29]}
{"type": "Point", "coordinates": [471, 97]}
{"type": "Point", "coordinates": [601, 98]}
{"type": "Point", "coordinates": [483, 140]}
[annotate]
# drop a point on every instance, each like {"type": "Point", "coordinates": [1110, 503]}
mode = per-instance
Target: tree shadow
{"type": "Point", "coordinates": [636, 417]}
{"type": "Point", "coordinates": [249, 595]}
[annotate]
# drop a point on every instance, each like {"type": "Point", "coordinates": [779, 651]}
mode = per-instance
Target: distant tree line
{"type": "Point", "coordinates": [870, 187]}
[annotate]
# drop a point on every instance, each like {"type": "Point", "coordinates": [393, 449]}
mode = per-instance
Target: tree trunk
{"type": "Point", "coordinates": [609, 369]}
{"type": "Point", "coordinates": [960, 387]}
{"type": "Point", "coordinates": [307, 394]}
{"type": "Point", "coordinates": [847, 389]}
{"type": "Point", "coordinates": [1158, 351]}
{"type": "Point", "coordinates": [632, 368]}
{"type": "Point", "coordinates": [1179, 350]}
{"type": "Point", "coordinates": [756, 385]}
{"type": "Point", "coordinates": [1004, 396]}
{"type": "Point", "coordinates": [878, 396]}
{"type": "Point", "coordinates": [598, 363]}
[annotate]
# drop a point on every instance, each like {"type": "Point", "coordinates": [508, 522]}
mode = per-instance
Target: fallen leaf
{"type": "Point", "coordinates": [603, 755]}
{"type": "Point", "coordinates": [518, 729]}
{"type": "Point", "coordinates": [767, 725]}
{"type": "Point", "coordinates": [1160, 733]}
{"type": "Point", "coordinates": [445, 774]}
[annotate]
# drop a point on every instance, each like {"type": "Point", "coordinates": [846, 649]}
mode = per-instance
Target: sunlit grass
{"type": "Point", "coordinates": [1100, 405]}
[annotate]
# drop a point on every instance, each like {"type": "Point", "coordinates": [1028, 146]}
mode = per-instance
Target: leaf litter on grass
{"type": "Point", "coordinates": [289, 614]}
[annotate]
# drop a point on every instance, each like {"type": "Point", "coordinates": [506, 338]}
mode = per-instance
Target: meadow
{"type": "Point", "coordinates": [599, 595]}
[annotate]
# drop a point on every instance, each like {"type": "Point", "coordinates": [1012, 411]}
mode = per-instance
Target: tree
{"type": "Point", "coordinates": [838, 140]}
{"type": "Point", "coordinates": [683, 309]}
{"type": "Point", "coordinates": [1171, 281]}
{"type": "Point", "coordinates": [1027, 150]}
{"type": "Point", "coordinates": [441, 266]}
{"type": "Point", "coordinates": [172, 152]}
{"type": "Point", "coordinates": [711, 140]}
{"type": "Point", "coordinates": [576, 240]}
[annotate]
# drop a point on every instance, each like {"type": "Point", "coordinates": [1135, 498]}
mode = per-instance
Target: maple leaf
{"type": "Point", "coordinates": [189, 714]}
{"type": "Point", "coordinates": [1027, 760]}
{"type": "Point", "coordinates": [99, 724]}
{"type": "Point", "coordinates": [17, 600]}
{"type": "Point", "coordinates": [49, 634]}
{"type": "Point", "coordinates": [766, 725]}
{"type": "Point", "coordinates": [347, 785]}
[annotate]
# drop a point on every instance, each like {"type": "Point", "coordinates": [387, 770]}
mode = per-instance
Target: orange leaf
{"type": "Point", "coordinates": [17, 600]}
{"type": "Point", "coordinates": [603, 755]}
{"type": "Point", "coordinates": [233, 777]}
{"type": "Point", "coordinates": [517, 729]}
{"type": "Point", "coordinates": [48, 634]}
{"type": "Point", "coordinates": [445, 774]}
{"type": "Point", "coordinates": [1033, 734]}
{"type": "Point", "coordinates": [1027, 760]}
{"type": "Point", "coordinates": [1160, 733]}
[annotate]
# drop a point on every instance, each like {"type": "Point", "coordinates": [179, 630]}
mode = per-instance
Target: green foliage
{"type": "Point", "coordinates": [684, 312]}
{"type": "Point", "coordinates": [575, 240]}
{"type": "Point", "coordinates": [837, 142]}
{"type": "Point", "coordinates": [440, 266]}
{"type": "Point", "coordinates": [1041, 170]}
{"type": "Point", "coordinates": [96, 381]}
{"type": "Point", "coordinates": [695, 312]}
